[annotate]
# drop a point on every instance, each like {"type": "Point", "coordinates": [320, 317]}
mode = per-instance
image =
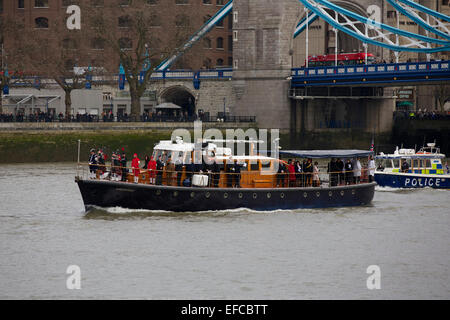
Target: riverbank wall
{"type": "Point", "coordinates": [58, 142]}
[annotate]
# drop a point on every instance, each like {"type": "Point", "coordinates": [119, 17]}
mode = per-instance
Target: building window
{"type": "Point", "coordinates": [41, 23]}
{"type": "Point", "coordinates": [125, 43]}
{"type": "Point", "coordinates": [124, 22]}
{"type": "Point", "coordinates": [124, 3]}
{"type": "Point", "coordinates": [181, 20]}
{"type": "Point", "coordinates": [70, 44]}
{"type": "Point", "coordinates": [69, 65]}
{"type": "Point", "coordinates": [155, 21]}
{"type": "Point", "coordinates": [67, 3]}
{"type": "Point", "coordinates": [230, 43]}
{"type": "Point", "coordinates": [219, 62]}
{"type": "Point", "coordinates": [97, 3]}
{"type": "Point", "coordinates": [392, 14]}
{"type": "Point", "coordinates": [207, 43]}
{"type": "Point", "coordinates": [220, 2]}
{"type": "Point", "coordinates": [21, 4]}
{"type": "Point", "coordinates": [235, 16]}
{"type": "Point", "coordinates": [41, 3]}
{"type": "Point", "coordinates": [207, 1]}
{"type": "Point", "coordinates": [98, 44]}
{"type": "Point", "coordinates": [219, 43]}
{"type": "Point", "coordinates": [230, 61]}
{"type": "Point", "coordinates": [206, 18]}
{"type": "Point", "coordinates": [220, 23]}
{"type": "Point", "coordinates": [445, 2]}
{"type": "Point", "coordinates": [152, 2]}
{"type": "Point", "coordinates": [235, 35]}
{"type": "Point", "coordinates": [235, 64]}
{"type": "Point", "coordinates": [181, 1]}
{"type": "Point", "coordinates": [207, 63]}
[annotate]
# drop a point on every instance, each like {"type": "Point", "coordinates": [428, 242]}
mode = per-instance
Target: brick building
{"type": "Point", "coordinates": [172, 23]}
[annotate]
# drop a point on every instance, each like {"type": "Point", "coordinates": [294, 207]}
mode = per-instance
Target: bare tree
{"type": "Point", "coordinates": [137, 43]}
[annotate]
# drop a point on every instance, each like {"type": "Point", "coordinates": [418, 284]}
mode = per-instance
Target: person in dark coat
{"type": "Point", "coordinates": [281, 176]}
{"type": "Point", "coordinates": [237, 174]}
{"type": "Point", "coordinates": [332, 170]}
{"type": "Point", "coordinates": [179, 170]}
{"type": "Point", "coordinates": [340, 169]}
{"type": "Point", "coordinates": [92, 164]}
{"type": "Point", "coordinates": [123, 164]}
{"type": "Point", "coordinates": [159, 170]}
{"type": "Point", "coordinates": [298, 173]}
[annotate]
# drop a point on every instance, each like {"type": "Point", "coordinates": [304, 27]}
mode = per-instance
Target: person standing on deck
{"type": "Point", "coordinates": [316, 180]}
{"type": "Point", "coordinates": [135, 166]}
{"type": "Point", "coordinates": [371, 168]}
{"type": "Point", "coordinates": [92, 164]}
{"type": "Point", "coordinates": [123, 164]}
{"type": "Point", "coordinates": [348, 172]}
{"type": "Point", "coordinates": [159, 170]}
{"type": "Point", "coordinates": [152, 170]}
{"type": "Point", "coordinates": [291, 170]}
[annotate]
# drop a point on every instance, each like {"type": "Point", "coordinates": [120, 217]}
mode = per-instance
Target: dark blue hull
{"type": "Point", "coordinates": [187, 199]}
{"type": "Point", "coordinates": [395, 180]}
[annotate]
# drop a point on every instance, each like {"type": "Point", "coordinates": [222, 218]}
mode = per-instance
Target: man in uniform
{"type": "Point", "coordinates": [123, 164]}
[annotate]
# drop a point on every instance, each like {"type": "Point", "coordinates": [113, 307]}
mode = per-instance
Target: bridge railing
{"type": "Point", "coordinates": [389, 68]}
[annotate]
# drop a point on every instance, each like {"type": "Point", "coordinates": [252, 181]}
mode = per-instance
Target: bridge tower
{"type": "Point", "coordinates": [263, 54]}
{"type": "Point", "coordinates": [262, 59]}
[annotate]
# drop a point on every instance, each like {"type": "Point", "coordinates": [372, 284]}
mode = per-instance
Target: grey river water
{"type": "Point", "coordinates": [240, 254]}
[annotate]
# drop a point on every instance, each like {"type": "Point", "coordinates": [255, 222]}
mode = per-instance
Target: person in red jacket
{"type": "Point", "coordinates": [152, 170]}
{"type": "Point", "coordinates": [135, 166]}
{"type": "Point", "coordinates": [291, 170]}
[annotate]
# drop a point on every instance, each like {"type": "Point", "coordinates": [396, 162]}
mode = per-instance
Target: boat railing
{"type": "Point", "coordinates": [244, 179]}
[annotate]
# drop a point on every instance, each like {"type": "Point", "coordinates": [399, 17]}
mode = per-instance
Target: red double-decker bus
{"type": "Point", "coordinates": [343, 59]}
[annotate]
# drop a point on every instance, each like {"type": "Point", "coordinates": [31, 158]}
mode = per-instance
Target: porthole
{"type": "Point", "coordinates": [192, 194]}
{"type": "Point", "coordinates": [282, 195]}
{"type": "Point", "coordinates": [225, 195]}
{"type": "Point", "coordinates": [342, 192]}
{"type": "Point", "coordinates": [255, 196]}
{"type": "Point", "coordinates": [175, 194]}
{"type": "Point", "coordinates": [207, 195]}
{"type": "Point", "coordinates": [240, 195]}
{"type": "Point", "coordinates": [158, 192]}
{"type": "Point", "coordinates": [353, 191]}
{"type": "Point", "coordinates": [330, 193]}
{"type": "Point", "coordinates": [317, 194]}
{"type": "Point", "coordinates": [269, 196]}
{"type": "Point", "coordinates": [305, 194]}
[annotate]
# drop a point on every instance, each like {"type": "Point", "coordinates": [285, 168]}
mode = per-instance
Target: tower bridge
{"type": "Point", "coordinates": [265, 83]}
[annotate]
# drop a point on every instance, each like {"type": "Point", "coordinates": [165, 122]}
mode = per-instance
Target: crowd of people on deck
{"type": "Point", "coordinates": [165, 170]}
{"type": "Point", "coordinates": [306, 173]}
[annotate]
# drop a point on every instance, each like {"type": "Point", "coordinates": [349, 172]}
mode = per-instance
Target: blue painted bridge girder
{"type": "Point", "coordinates": [387, 75]}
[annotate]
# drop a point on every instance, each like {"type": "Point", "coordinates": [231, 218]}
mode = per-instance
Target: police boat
{"type": "Point", "coordinates": [205, 176]}
{"type": "Point", "coordinates": [406, 168]}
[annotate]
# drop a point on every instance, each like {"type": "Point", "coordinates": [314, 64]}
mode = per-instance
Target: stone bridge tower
{"type": "Point", "coordinates": [262, 59]}
{"type": "Point", "coordinates": [264, 51]}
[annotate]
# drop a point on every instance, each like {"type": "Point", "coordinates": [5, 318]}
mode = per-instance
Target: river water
{"type": "Point", "coordinates": [240, 254]}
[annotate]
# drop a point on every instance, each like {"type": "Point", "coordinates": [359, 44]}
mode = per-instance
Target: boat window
{"type": "Point", "coordinates": [427, 163]}
{"type": "Point", "coordinates": [396, 163]}
{"type": "Point", "coordinates": [416, 163]}
{"type": "Point", "coordinates": [266, 163]}
{"type": "Point", "coordinates": [254, 166]}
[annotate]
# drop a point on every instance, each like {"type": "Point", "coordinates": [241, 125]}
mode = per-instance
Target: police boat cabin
{"type": "Point", "coordinates": [204, 176]}
{"type": "Point", "coordinates": [406, 168]}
